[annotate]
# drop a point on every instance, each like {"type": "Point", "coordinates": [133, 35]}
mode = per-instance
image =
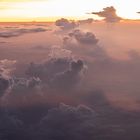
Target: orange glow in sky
{"type": "Point", "coordinates": [44, 10]}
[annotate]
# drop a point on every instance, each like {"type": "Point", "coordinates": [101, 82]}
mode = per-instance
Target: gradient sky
{"type": "Point", "coordinates": [22, 10]}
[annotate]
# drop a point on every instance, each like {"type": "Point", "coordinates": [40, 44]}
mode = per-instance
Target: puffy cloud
{"type": "Point", "coordinates": [65, 24]}
{"type": "Point", "coordinates": [56, 74]}
{"type": "Point", "coordinates": [109, 13]}
{"type": "Point", "coordinates": [67, 122]}
{"type": "Point", "coordinates": [84, 37]}
{"type": "Point", "coordinates": [84, 45]}
{"type": "Point", "coordinates": [17, 32]}
{"type": "Point", "coordinates": [59, 73]}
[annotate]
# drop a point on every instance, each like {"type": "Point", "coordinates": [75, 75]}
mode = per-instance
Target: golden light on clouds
{"type": "Point", "coordinates": [17, 10]}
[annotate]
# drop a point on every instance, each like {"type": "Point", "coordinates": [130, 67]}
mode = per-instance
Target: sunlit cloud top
{"type": "Point", "coordinates": [52, 9]}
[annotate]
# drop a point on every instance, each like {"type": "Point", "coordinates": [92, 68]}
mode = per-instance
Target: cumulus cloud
{"type": "Point", "coordinates": [67, 122]}
{"type": "Point", "coordinates": [69, 78]}
{"type": "Point", "coordinates": [53, 76]}
{"type": "Point", "coordinates": [65, 24]}
{"type": "Point", "coordinates": [84, 37]}
{"type": "Point", "coordinates": [8, 33]}
{"type": "Point", "coordinates": [109, 14]}
{"type": "Point", "coordinates": [11, 84]}
{"type": "Point", "coordinates": [58, 73]}
{"type": "Point", "coordinates": [84, 45]}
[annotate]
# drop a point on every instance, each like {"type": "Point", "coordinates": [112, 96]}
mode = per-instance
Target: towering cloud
{"type": "Point", "coordinates": [109, 14]}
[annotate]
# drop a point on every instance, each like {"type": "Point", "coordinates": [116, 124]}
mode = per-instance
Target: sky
{"type": "Point", "coordinates": [50, 10]}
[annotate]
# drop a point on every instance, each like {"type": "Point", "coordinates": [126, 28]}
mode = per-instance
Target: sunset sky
{"type": "Point", "coordinates": [28, 10]}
